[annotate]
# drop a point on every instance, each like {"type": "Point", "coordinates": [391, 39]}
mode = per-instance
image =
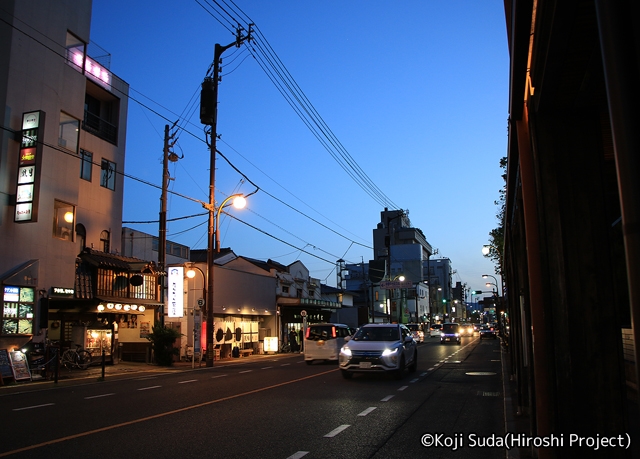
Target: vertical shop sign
{"type": "Point", "coordinates": [29, 162]}
{"type": "Point", "coordinates": [176, 292]}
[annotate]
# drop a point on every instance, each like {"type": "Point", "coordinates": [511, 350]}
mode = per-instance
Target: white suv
{"type": "Point", "coordinates": [379, 348]}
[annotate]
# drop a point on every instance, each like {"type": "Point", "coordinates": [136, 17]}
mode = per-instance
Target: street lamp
{"type": "Point", "coordinates": [484, 276]}
{"type": "Point", "coordinates": [239, 202]}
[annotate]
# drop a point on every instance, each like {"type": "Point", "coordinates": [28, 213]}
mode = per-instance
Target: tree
{"type": "Point", "coordinates": [162, 339]}
{"type": "Point", "coordinates": [496, 235]}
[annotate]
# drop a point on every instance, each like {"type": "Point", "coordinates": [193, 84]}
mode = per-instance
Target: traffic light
{"type": "Point", "coordinates": [477, 292]}
{"type": "Point", "coordinates": [444, 300]}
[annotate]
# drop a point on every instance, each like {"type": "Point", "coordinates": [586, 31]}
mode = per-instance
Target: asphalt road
{"type": "Point", "coordinates": [269, 407]}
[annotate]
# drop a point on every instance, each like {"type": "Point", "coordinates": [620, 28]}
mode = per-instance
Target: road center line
{"type": "Point", "coordinates": [298, 455]}
{"type": "Point", "coordinates": [402, 388]}
{"type": "Point", "coordinates": [100, 396]}
{"type": "Point", "coordinates": [246, 371]}
{"type": "Point", "coordinates": [188, 381]}
{"type": "Point", "coordinates": [159, 415]}
{"type": "Point", "coordinates": [367, 411]}
{"type": "Point", "coordinates": [387, 398]}
{"type": "Point", "coordinates": [150, 387]}
{"type": "Point", "coordinates": [32, 407]}
{"type": "Point", "coordinates": [266, 368]}
{"type": "Point", "coordinates": [337, 430]}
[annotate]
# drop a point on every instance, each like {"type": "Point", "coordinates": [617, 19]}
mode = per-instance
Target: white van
{"type": "Point", "coordinates": [324, 341]}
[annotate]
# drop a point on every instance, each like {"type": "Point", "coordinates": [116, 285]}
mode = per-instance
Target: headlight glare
{"type": "Point", "coordinates": [388, 352]}
{"type": "Point", "coordinates": [346, 351]}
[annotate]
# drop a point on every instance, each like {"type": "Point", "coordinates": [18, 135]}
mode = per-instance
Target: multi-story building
{"type": "Point", "coordinates": [400, 252]}
{"type": "Point", "coordinates": [62, 154]}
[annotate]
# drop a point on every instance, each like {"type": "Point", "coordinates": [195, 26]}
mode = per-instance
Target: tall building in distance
{"type": "Point", "coordinates": [393, 286]}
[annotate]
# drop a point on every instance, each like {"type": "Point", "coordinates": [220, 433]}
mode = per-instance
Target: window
{"type": "Point", "coordinates": [105, 239]}
{"type": "Point", "coordinates": [64, 217]}
{"type": "Point", "coordinates": [86, 161]}
{"type": "Point", "coordinates": [285, 289]}
{"type": "Point", "coordinates": [101, 110]}
{"type": "Point", "coordinates": [17, 310]}
{"type": "Point", "coordinates": [69, 132]}
{"type": "Point", "coordinates": [81, 236]}
{"type": "Point", "coordinates": [312, 293]}
{"type": "Point", "coordinates": [108, 174]}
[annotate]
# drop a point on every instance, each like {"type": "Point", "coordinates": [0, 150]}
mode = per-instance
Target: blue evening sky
{"type": "Point", "coordinates": [413, 94]}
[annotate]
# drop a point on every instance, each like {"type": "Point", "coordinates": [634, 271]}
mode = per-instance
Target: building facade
{"type": "Point", "coordinates": [62, 154]}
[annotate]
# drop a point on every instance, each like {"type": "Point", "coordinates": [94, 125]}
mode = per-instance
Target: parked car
{"type": "Point", "coordinates": [487, 331]}
{"type": "Point", "coordinates": [450, 334]}
{"type": "Point", "coordinates": [379, 348]}
{"type": "Point", "coordinates": [324, 341]}
{"type": "Point", "coordinates": [434, 330]}
{"type": "Point", "coordinates": [416, 330]}
{"type": "Point", "coordinates": [466, 329]}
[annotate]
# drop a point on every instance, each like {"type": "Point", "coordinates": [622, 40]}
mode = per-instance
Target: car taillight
{"type": "Point", "coordinates": [333, 332]}
{"type": "Point", "coordinates": [308, 330]}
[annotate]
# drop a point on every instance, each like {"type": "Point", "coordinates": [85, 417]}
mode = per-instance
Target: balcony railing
{"type": "Point", "coordinates": [100, 128]}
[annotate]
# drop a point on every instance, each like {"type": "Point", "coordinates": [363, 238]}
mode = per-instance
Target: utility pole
{"type": "Point", "coordinates": [209, 116]}
{"type": "Point", "coordinates": [162, 231]}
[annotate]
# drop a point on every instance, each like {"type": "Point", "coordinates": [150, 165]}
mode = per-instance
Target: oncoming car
{"type": "Point", "coordinates": [450, 334]}
{"type": "Point", "coordinates": [466, 330]}
{"type": "Point", "coordinates": [379, 348]}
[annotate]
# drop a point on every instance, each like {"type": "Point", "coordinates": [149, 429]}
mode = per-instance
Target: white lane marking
{"type": "Point", "coordinates": [188, 381]}
{"type": "Point", "coordinates": [32, 407]}
{"type": "Point", "coordinates": [298, 455]}
{"type": "Point", "coordinates": [266, 368]}
{"type": "Point", "coordinates": [145, 379]}
{"type": "Point", "coordinates": [402, 388]}
{"type": "Point", "coordinates": [337, 430]}
{"type": "Point", "coordinates": [246, 371]}
{"type": "Point", "coordinates": [425, 373]}
{"type": "Point", "coordinates": [367, 411]}
{"type": "Point", "coordinates": [430, 369]}
{"type": "Point", "coordinates": [218, 376]}
{"type": "Point", "coordinates": [150, 387]}
{"type": "Point", "coordinates": [285, 364]}
{"type": "Point", "coordinates": [387, 398]}
{"type": "Point", "coordinates": [414, 380]}
{"type": "Point", "coordinates": [100, 396]}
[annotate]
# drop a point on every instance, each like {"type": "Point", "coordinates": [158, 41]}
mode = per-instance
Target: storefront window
{"type": "Point", "coordinates": [17, 313]}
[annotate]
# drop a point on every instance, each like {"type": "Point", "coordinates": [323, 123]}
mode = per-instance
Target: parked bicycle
{"type": "Point", "coordinates": [76, 358]}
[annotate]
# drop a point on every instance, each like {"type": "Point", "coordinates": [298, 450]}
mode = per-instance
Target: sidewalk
{"type": "Point", "coordinates": [122, 368]}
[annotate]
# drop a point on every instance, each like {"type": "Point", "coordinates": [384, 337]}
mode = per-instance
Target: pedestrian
{"type": "Point", "coordinates": [301, 342]}
{"type": "Point", "coordinates": [293, 341]}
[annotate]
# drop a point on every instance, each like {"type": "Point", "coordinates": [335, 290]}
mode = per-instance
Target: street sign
{"type": "Point", "coordinates": [396, 284]}
{"type": "Point", "coordinates": [303, 313]}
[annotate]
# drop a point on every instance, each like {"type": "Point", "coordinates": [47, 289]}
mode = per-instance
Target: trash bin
{"type": "Point", "coordinates": [235, 352]}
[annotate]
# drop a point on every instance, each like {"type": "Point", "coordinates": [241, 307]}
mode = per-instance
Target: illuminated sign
{"type": "Point", "coordinates": [29, 161]}
{"type": "Point", "coordinates": [175, 300]}
{"type": "Point", "coordinates": [91, 68]}
{"type": "Point", "coordinates": [12, 294]}
{"type": "Point", "coordinates": [27, 156]}
{"type": "Point", "coordinates": [57, 291]}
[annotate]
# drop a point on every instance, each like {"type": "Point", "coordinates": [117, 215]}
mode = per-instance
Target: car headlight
{"type": "Point", "coordinates": [388, 352]}
{"type": "Point", "coordinates": [441, 334]}
{"type": "Point", "coordinates": [457, 335]}
{"type": "Point", "coordinates": [345, 351]}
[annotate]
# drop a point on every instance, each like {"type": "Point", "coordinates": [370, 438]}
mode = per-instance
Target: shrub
{"type": "Point", "coordinates": [162, 339]}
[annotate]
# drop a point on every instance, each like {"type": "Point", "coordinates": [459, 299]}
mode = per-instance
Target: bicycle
{"type": "Point", "coordinates": [78, 358]}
